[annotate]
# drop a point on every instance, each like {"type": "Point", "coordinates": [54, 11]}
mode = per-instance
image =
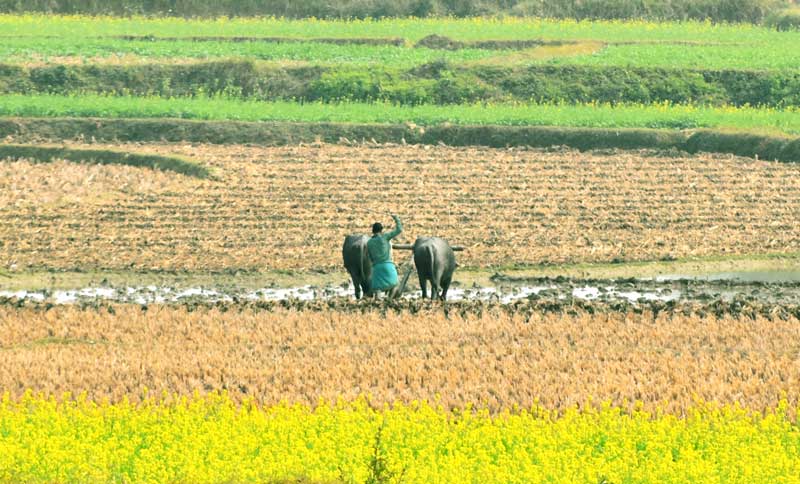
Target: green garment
{"type": "Point", "coordinates": [379, 247]}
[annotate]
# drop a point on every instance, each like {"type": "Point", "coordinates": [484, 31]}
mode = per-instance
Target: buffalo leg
{"type": "Point", "coordinates": [434, 290]}
{"type": "Point", "coordinates": [423, 284]}
{"type": "Point", "coordinates": [445, 287]}
{"type": "Point", "coordinates": [356, 285]}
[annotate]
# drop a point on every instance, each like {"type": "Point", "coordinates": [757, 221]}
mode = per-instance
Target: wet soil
{"type": "Point", "coordinates": [764, 288]}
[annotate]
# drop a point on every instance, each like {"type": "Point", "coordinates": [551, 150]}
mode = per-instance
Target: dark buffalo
{"type": "Point", "coordinates": [357, 263]}
{"type": "Point", "coordinates": [435, 262]}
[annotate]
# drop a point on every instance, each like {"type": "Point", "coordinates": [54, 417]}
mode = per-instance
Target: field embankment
{"type": "Point", "coordinates": [46, 154]}
{"type": "Point", "coordinates": [740, 143]}
{"type": "Point", "coordinates": [437, 82]}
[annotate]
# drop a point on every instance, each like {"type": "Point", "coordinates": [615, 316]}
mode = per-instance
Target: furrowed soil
{"type": "Point", "coordinates": [486, 355]}
{"type": "Point", "coordinates": [289, 208]}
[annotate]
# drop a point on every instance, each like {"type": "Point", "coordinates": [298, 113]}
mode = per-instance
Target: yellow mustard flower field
{"type": "Point", "coordinates": [210, 439]}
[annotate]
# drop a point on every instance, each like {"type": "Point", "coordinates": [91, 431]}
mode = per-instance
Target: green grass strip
{"type": "Point", "coordinates": [755, 56]}
{"type": "Point", "coordinates": [46, 154]}
{"type": "Point", "coordinates": [769, 120]}
{"type": "Point", "coordinates": [698, 45]}
{"type": "Point", "coordinates": [21, 48]}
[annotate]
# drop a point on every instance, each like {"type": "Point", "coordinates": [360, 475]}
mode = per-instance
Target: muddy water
{"type": "Point", "coordinates": [752, 276]}
{"type": "Point", "coordinates": [771, 287]}
{"type": "Point", "coordinates": [154, 294]}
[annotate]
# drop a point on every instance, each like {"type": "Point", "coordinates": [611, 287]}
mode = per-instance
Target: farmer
{"type": "Point", "coordinates": [379, 248]}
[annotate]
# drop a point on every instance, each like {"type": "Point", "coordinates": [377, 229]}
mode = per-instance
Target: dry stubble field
{"type": "Point", "coordinates": [493, 359]}
{"type": "Point", "coordinates": [289, 207]}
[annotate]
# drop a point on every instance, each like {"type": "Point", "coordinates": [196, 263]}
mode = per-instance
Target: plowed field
{"type": "Point", "coordinates": [290, 207]}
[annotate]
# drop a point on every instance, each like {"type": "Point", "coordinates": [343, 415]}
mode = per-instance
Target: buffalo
{"type": "Point", "coordinates": [357, 263]}
{"type": "Point", "coordinates": [435, 262]}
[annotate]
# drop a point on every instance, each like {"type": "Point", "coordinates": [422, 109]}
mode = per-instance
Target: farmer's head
{"type": "Point", "coordinates": [377, 228]}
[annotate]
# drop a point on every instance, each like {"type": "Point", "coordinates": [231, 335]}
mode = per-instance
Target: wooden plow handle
{"type": "Point", "coordinates": [456, 248]}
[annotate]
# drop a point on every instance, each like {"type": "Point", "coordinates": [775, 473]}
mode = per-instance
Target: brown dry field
{"type": "Point", "coordinates": [491, 358]}
{"type": "Point", "coordinates": [275, 208]}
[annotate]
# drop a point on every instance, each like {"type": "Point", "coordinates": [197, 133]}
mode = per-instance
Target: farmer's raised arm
{"type": "Point", "coordinates": [397, 229]}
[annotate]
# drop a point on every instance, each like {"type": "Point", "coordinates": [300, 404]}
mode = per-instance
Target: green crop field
{"type": "Point", "coordinates": [412, 29]}
{"type": "Point", "coordinates": [21, 49]}
{"type": "Point", "coordinates": [700, 56]}
{"type": "Point", "coordinates": [605, 74]}
{"type": "Point", "coordinates": [786, 121]}
{"type": "Point", "coordinates": [684, 45]}
{"type": "Point", "coordinates": [749, 56]}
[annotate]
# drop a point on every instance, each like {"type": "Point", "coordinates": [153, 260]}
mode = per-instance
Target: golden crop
{"type": "Point", "coordinates": [211, 440]}
{"type": "Point", "coordinates": [492, 358]}
{"type": "Point", "coordinates": [290, 207]}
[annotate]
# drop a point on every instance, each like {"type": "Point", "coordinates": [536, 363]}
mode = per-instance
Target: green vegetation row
{"type": "Point", "coordinates": [717, 10]}
{"type": "Point", "coordinates": [770, 56]}
{"type": "Point", "coordinates": [23, 49]}
{"type": "Point", "coordinates": [287, 133]}
{"type": "Point", "coordinates": [432, 83]}
{"type": "Point", "coordinates": [577, 115]}
{"type": "Point", "coordinates": [46, 154]}
{"type": "Point", "coordinates": [466, 29]}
